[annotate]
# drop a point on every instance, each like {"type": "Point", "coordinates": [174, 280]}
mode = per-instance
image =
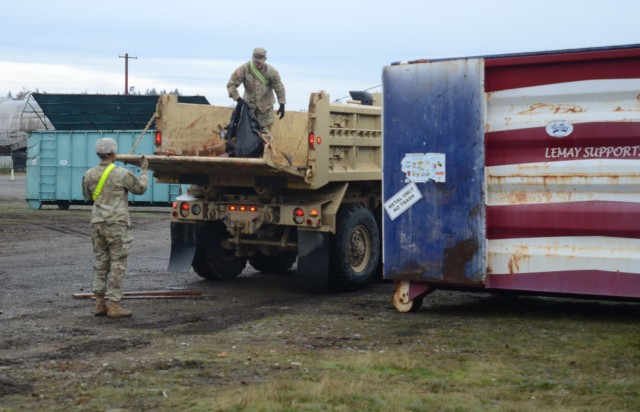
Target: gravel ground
{"type": "Point", "coordinates": [47, 335]}
{"type": "Point", "coordinates": [46, 257]}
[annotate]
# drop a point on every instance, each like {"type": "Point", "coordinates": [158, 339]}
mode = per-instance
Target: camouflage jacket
{"type": "Point", "coordinates": [257, 94]}
{"type": "Point", "coordinates": [112, 206]}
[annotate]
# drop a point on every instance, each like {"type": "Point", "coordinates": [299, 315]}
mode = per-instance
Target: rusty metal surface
{"type": "Point", "coordinates": [436, 108]}
{"type": "Point", "coordinates": [563, 178]}
{"type": "Point", "coordinates": [568, 203]}
{"type": "Point", "coordinates": [559, 175]}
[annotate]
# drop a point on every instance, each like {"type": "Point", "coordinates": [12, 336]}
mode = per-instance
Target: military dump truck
{"type": "Point", "coordinates": [314, 196]}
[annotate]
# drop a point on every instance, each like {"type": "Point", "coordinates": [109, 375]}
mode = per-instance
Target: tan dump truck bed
{"type": "Point", "coordinates": [346, 146]}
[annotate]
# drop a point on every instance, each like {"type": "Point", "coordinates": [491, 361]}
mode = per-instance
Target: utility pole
{"type": "Point", "coordinates": [126, 58]}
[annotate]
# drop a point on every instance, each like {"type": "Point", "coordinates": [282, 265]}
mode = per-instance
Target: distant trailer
{"type": "Point", "coordinates": [516, 173]}
{"type": "Point", "coordinates": [57, 161]}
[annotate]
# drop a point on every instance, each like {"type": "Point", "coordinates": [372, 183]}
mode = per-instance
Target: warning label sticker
{"type": "Point", "coordinates": [403, 200]}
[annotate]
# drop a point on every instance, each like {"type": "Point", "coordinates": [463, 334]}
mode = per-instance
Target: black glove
{"type": "Point", "coordinates": [239, 101]}
{"type": "Point", "coordinates": [281, 110]}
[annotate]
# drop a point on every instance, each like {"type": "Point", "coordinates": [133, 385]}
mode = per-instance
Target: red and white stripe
{"type": "Point", "coordinates": [563, 214]}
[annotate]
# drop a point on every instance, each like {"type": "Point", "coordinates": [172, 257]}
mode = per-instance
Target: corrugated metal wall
{"type": "Point", "coordinates": [57, 162]}
{"type": "Point", "coordinates": [542, 188]}
{"type": "Point", "coordinates": [563, 174]}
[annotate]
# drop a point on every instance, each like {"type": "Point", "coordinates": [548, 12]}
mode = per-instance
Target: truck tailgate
{"type": "Point", "coordinates": [173, 166]}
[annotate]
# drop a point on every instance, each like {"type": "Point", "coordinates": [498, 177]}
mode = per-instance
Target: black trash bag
{"type": "Point", "coordinates": [243, 139]}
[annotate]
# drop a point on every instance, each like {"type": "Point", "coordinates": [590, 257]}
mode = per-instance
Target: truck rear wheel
{"type": "Point", "coordinates": [355, 249]}
{"type": "Point", "coordinates": [211, 261]}
{"type": "Point", "coordinates": [273, 264]}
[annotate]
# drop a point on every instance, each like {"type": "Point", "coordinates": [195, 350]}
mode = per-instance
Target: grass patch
{"type": "Point", "coordinates": [291, 362]}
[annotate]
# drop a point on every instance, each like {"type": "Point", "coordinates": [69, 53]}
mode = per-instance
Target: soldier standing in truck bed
{"type": "Point", "coordinates": [260, 81]}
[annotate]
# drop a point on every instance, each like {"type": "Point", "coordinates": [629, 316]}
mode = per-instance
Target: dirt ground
{"type": "Point", "coordinates": [46, 256]}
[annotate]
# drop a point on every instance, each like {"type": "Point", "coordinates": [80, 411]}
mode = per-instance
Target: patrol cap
{"type": "Point", "coordinates": [106, 145]}
{"type": "Point", "coordinates": [259, 55]}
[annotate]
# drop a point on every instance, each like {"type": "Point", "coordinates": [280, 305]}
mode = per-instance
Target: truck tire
{"type": "Point", "coordinates": [211, 261]}
{"type": "Point", "coordinates": [273, 264]}
{"type": "Point", "coordinates": [355, 249]}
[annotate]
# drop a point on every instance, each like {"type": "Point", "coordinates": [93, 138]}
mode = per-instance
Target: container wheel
{"type": "Point", "coordinates": [355, 249]}
{"type": "Point", "coordinates": [401, 299]}
{"type": "Point", "coordinates": [273, 264]}
{"type": "Point", "coordinates": [211, 261]}
{"type": "Point", "coordinates": [63, 204]}
{"type": "Point", "coordinates": [413, 305]}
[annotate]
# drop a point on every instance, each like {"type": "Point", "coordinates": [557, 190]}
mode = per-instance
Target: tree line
{"type": "Point", "coordinates": [23, 94]}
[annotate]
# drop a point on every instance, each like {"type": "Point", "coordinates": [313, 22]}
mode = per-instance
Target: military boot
{"type": "Point", "coordinates": [101, 305]}
{"type": "Point", "coordinates": [116, 310]}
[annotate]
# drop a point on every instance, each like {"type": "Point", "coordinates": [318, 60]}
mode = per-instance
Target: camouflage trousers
{"type": "Point", "coordinates": [265, 119]}
{"type": "Point", "coordinates": [111, 246]}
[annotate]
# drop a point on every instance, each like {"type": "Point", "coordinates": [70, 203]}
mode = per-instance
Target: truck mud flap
{"type": "Point", "coordinates": [313, 259]}
{"type": "Point", "coordinates": [183, 246]}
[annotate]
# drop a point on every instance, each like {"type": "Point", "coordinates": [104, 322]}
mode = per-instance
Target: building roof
{"type": "Point", "coordinates": [102, 111]}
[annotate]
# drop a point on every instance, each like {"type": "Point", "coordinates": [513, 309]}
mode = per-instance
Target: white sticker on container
{"type": "Point", "coordinates": [403, 200]}
{"type": "Point", "coordinates": [63, 162]}
{"type": "Point", "coordinates": [559, 128]}
{"type": "Point", "coordinates": [422, 167]}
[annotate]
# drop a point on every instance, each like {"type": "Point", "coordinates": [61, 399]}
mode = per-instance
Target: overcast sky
{"type": "Point", "coordinates": [69, 46]}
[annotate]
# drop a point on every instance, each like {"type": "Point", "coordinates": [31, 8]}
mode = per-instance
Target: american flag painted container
{"type": "Point", "coordinates": [513, 173]}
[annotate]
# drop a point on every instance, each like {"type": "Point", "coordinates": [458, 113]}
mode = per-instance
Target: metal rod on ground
{"type": "Point", "coordinates": [148, 294]}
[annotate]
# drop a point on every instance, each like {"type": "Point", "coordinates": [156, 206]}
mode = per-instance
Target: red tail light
{"type": "Point", "coordinates": [184, 209]}
{"type": "Point", "coordinates": [298, 215]}
{"type": "Point", "coordinates": [158, 139]}
{"type": "Point", "coordinates": [314, 140]}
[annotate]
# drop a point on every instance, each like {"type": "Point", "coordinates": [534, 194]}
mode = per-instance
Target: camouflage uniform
{"type": "Point", "coordinates": [110, 223]}
{"type": "Point", "coordinates": [259, 96]}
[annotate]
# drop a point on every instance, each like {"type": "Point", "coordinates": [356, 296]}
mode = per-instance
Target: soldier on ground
{"type": "Point", "coordinates": [108, 186]}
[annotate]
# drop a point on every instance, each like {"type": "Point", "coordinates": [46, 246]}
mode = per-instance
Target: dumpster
{"type": "Point", "coordinates": [57, 161]}
{"type": "Point", "coordinates": [513, 173]}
